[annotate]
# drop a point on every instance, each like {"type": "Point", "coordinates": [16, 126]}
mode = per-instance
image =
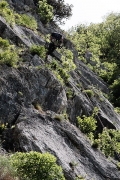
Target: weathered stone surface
{"type": "Point", "coordinates": [23, 86]}
{"type": "Point", "coordinates": [39, 132]}
{"type": "Point", "coordinates": [32, 84]}
{"type": "Point", "coordinates": [19, 35]}
{"type": "Point", "coordinates": [19, 5]}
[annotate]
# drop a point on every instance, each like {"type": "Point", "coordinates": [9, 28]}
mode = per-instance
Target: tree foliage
{"type": "Point", "coordinates": [60, 9]}
{"type": "Point", "coordinates": [45, 11]}
{"type": "Point", "coordinates": [103, 41]}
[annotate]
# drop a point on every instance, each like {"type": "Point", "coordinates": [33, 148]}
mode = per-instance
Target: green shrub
{"type": "Point", "coordinates": [69, 93]}
{"type": "Point", "coordinates": [109, 142]}
{"type": "Point", "coordinates": [4, 43]}
{"type": "Point", "coordinates": [6, 12]}
{"type": "Point", "coordinates": [89, 92]}
{"type": "Point", "coordinates": [62, 70]}
{"type": "Point", "coordinates": [60, 73]}
{"type": "Point", "coordinates": [39, 50]}
{"type": "Point", "coordinates": [36, 166]}
{"type": "Point", "coordinates": [61, 80]}
{"type": "Point", "coordinates": [12, 17]}
{"type": "Point", "coordinates": [3, 4]}
{"type": "Point", "coordinates": [117, 109]}
{"type": "Point", "coordinates": [45, 11]}
{"type": "Point", "coordinates": [67, 59]}
{"type": "Point", "coordinates": [25, 20]}
{"type": "Point", "coordinates": [87, 124]}
{"type": "Point", "coordinates": [8, 53]}
{"type": "Point", "coordinates": [9, 58]}
{"type": "Point", "coordinates": [107, 73]}
{"type": "Point", "coordinates": [63, 74]}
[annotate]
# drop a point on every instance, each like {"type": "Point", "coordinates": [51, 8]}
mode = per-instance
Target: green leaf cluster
{"type": "Point", "coordinates": [45, 11]}
{"type": "Point", "coordinates": [67, 59]}
{"type": "Point", "coordinates": [89, 92]}
{"type": "Point", "coordinates": [60, 10]}
{"type": "Point", "coordinates": [36, 166]}
{"type": "Point", "coordinates": [7, 13]}
{"type": "Point", "coordinates": [8, 53]}
{"type": "Point", "coordinates": [87, 124]}
{"type": "Point", "coordinates": [69, 93]}
{"type": "Point", "coordinates": [59, 71]}
{"type": "Point", "coordinates": [109, 142]}
{"type": "Point", "coordinates": [14, 18]}
{"type": "Point", "coordinates": [26, 20]}
{"type": "Point", "coordinates": [39, 50]}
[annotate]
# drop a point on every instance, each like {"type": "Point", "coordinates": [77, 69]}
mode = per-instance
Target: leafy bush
{"type": "Point", "coordinates": [4, 43]}
{"type": "Point", "coordinates": [89, 92]}
{"type": "Point", "coordinates": [9, 58]}
{"type": "Point", "coordinates": [6, 12]}
{"type": "Point", "coordinates": [3, 4]}
{"type": "Point", "coordinates": [64, 74]}
{"type": "Point", "coordinates": [12, 17]}
{"type": "Point", "coordinates": [109, 142]}
{"type": "Point", "coordinates": [39, 50]}
{"type": "Point", "coordinates": [45, 11]}
{"type": "Point", "coordinates": [117, 109]}
{"type": "Point", "coordinates": [36, 166]}
{"type": "Point", "coordinates": [69, 93]}
{"type": "Point", "coordinates": [67, 59]}
{"type": "Point", "coordinates": [60, 73]}
{"type": "Point", "coordinates": [107, 73]}
{"type": "Point", "coordinates": [62, 70]}
{"type": "Point", "coordinates": [87, 124]}
{"type": "Point", "coordinates": [25, 20]}
{"type": "Point", "coordinates": [8, 53]}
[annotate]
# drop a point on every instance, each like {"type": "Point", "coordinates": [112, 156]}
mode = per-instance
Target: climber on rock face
{"type": "Point", "coordinates": [56, 41]}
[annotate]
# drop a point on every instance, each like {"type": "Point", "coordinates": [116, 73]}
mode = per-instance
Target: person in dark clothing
{"type": "Point", "coordinates": [56, 41]}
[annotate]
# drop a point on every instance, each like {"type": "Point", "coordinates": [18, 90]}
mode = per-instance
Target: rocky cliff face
{"type": "Point", "coordinates": [33, 101]}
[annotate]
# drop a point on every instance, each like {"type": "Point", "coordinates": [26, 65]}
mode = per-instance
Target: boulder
{"type": "Point", "coordinates": [23, 87]}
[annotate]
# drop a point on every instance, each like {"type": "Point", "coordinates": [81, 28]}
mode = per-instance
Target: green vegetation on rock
{"type": "Point", "coordinates": [36, 166]}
